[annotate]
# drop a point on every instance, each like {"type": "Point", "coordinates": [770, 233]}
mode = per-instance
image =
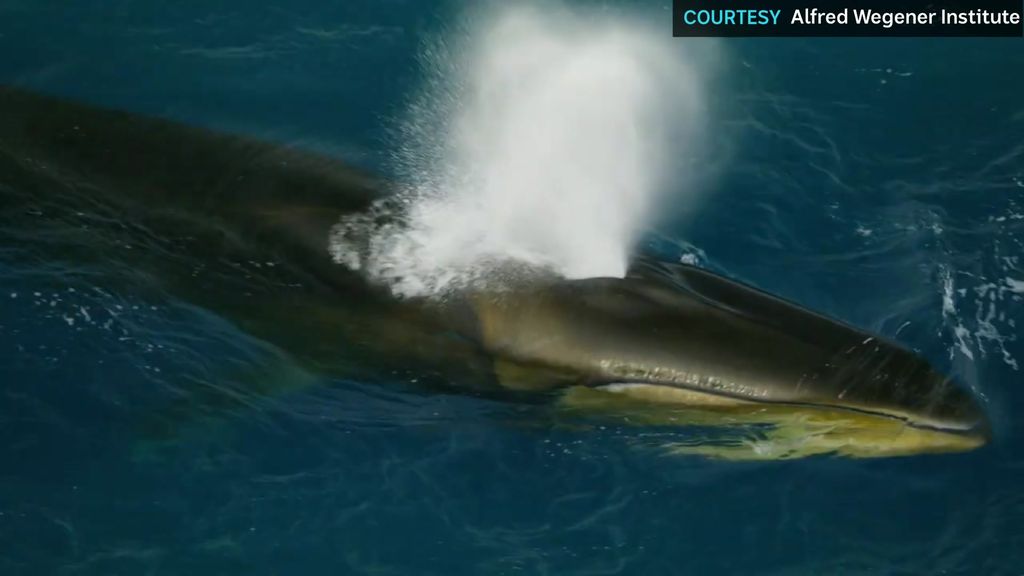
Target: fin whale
{"type": "Point", "coordinates": [241, 227]}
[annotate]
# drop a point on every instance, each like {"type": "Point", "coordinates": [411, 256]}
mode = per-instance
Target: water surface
{"type": "Point", "coordinates": [878, 181]}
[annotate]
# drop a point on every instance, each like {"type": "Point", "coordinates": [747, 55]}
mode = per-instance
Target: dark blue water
{"type": "Point", "coordinates": [878, 181]}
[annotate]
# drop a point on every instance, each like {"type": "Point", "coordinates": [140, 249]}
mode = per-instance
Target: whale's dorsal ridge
{"type": "Point", "coordinates": [160, 158]}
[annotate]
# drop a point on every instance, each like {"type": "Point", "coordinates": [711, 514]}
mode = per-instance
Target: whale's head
{"type": "Point", "coordinates": [677, 344]}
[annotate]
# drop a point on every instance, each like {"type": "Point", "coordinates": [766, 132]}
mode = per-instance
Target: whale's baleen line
{"type": "Point", "coordinates": [669, 343]}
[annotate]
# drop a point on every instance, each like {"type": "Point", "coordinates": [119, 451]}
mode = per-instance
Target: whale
{"type": "Point", "coordinates": [240, 227]}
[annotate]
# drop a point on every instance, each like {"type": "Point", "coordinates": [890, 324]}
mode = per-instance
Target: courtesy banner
{"type": "Point", "coordinates": [976, 18]}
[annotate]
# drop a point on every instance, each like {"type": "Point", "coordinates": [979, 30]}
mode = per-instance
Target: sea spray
{"type": "Point", "coordinates": [542, 139]}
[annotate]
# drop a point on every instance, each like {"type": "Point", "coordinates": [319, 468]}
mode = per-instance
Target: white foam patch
{"type": "Point", "coordinates": [542, 138]}
{"type": "Point", "coordinates": [987, 300]}
{"type": "Point", "coordinates": [960, 332]}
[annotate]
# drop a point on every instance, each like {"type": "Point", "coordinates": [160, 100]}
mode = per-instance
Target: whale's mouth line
{"type": "Point", "coordinates": [620, 385]}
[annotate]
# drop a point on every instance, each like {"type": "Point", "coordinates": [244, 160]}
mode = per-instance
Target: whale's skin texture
{"type": "Point", "coordinates": [241, 228]}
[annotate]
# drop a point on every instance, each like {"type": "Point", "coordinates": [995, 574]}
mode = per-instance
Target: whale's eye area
{"type": "Point", "coordinates": [704, 424]}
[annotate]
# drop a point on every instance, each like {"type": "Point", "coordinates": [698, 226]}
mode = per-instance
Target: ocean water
{"type": "Point", "coordinates": [878, 181]}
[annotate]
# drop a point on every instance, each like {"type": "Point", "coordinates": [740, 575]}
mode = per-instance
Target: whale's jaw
{"type": "Point", "coordinates": [727, 428]}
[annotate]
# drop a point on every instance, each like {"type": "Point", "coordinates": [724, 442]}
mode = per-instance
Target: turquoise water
{"type": "Point", "coordinates": [878, 181]}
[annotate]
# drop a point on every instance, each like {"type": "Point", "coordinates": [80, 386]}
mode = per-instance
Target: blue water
{"type": "Point", "coordinates": [878, 181]}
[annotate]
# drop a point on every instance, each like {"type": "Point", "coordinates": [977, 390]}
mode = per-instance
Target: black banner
{"type": "Point", "coordinates": [988, 18]}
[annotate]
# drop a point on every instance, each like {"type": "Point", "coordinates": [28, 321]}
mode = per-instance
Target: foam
{"type": "Point", "coordinates": [541, 139]}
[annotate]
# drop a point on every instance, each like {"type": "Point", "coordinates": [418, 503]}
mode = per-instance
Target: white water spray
{"type": "Point", "coordinates": [543, 139]}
